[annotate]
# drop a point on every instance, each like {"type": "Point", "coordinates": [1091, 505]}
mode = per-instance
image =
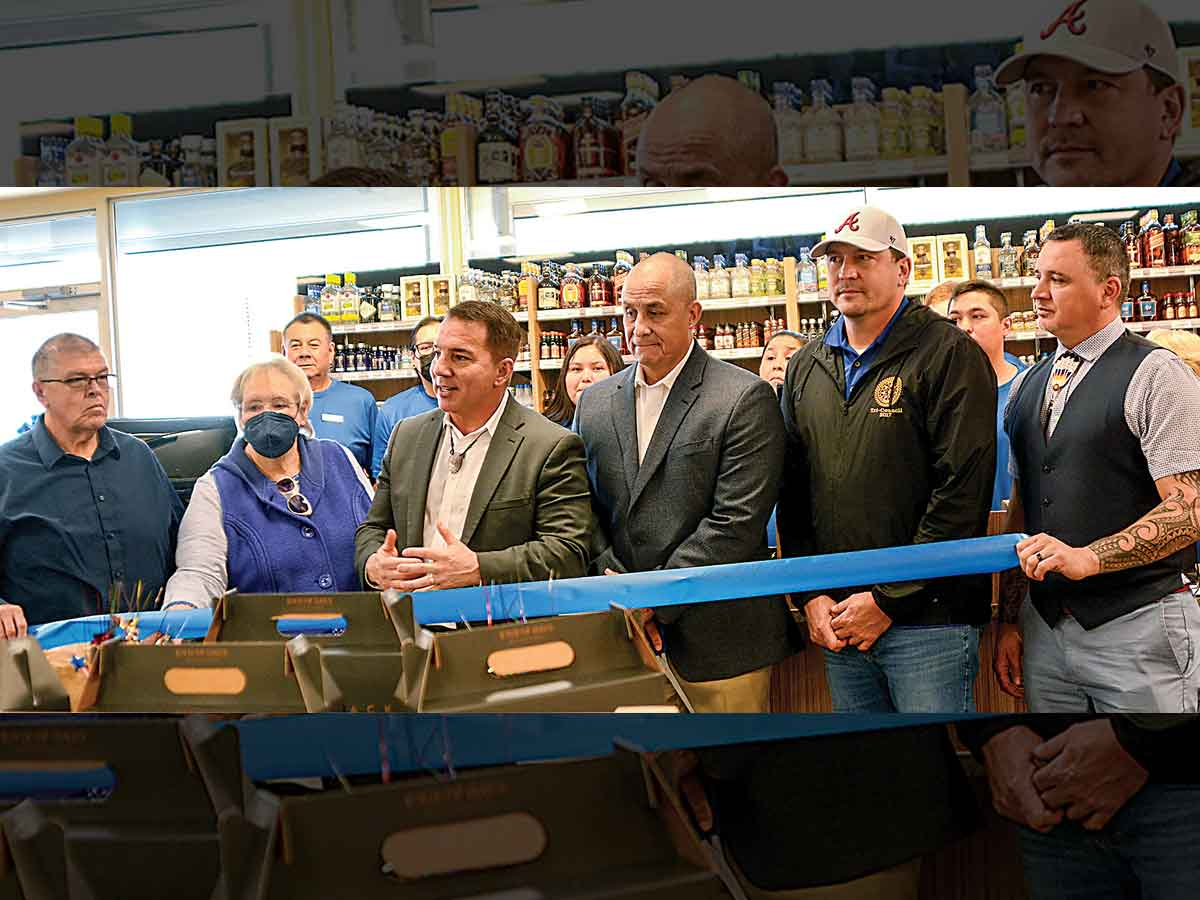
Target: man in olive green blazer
{"type": "Point", "coordinates": [480, 490]}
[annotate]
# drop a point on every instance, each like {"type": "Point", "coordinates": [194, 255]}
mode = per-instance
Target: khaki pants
{"type": "Point", "coordinates": [749, 693]}
{"type": "Point", "coordinates": [902, 882]}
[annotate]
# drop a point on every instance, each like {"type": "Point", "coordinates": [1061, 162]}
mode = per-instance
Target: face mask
{"type": "Point", "coordinates": [425, 361]}
{"type": "Point", "coordinates": [272, 434]}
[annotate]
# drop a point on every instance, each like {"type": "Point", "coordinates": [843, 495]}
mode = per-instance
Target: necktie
{"type": "Point", "coordinates": [1052, 410]}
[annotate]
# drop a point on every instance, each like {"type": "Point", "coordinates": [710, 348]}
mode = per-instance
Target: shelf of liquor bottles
{"type": "Point", "coordinates": [1183, 324]}
{"type": "Point", "coordinates": [376, 327]}
{"type": "Point", "coordinates": [382, 375]}
{"type": "Point", "coordinates": [1134, 275]}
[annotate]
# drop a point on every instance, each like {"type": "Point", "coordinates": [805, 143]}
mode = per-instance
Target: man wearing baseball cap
{"type": "Point", "coordinates": [891, 423]}
{"type": "Point", "coordinates": [1104, 95]}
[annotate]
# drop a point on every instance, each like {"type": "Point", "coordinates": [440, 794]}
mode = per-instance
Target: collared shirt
{"type": "Point", "coordinates": [651, 398]}
{"type": "Point", "coordinates": [72, 529]}
{"type": "Point", "coordinates": [1162, 402]}
{"type": "Point", "coordinates": [395, 409]}
{"type": "Point", "coordinates": [346, 413]}
{"type": "Point", "coordinates": [856, 364]}
{"type": "Point", "coordinates": [449, 496]}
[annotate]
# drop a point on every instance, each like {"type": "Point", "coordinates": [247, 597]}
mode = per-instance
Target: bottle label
{"type": "Point", "coordinates": [541, 158]}
{"type": "Point", "coordinates": [1127, 310]}
{"type": "Point", "coordinates": [571, 296]}
{"type": "Point", "coordinates": [547, 298]}
{"type": "Point", "coordinates": [592, 157]}
{"type": "Point", "coordinates": [824, 144]}
{"type": "Point", "coordinates": [1156, 245]}
{"type": "Point", "coordinates": [497, 162]}
{"type": "Point", "coordinates": [1149, 310]}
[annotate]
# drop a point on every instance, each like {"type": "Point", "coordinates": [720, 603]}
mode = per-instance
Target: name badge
{"type": "Point", "coordinates": [333, 417]}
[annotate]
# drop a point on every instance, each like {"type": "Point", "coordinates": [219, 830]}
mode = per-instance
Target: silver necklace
{"type": "Point", "coordinates": [456, 459]}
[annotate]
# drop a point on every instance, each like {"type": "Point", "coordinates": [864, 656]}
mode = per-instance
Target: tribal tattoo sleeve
{"type": "Point", "coordinates": [1167, 528]}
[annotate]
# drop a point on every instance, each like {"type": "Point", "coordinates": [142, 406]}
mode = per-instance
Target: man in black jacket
{"type": "Point", "coordinates": [1107, 806]}
{"type": "Point", "coordinates": [891, 422]}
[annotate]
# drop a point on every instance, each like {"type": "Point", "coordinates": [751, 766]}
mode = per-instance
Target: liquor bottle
{"type": "Point", "coordinates": [739, 278]}
{"type": "Point", "coordinates": [596, 332]}
{"type": "Point", "coordinates": [758, 278]}
{"type": "Point", "coordinates": [1172, 242]}
{"type": "Point", "coordinates": [544, 144]}
{"type": "Point", "coordinates": [1153, 253]}
{"type": "Point", "coordinates": [893, 124]}
{"type": "Point", "coordinates": [861, 122]}
{"type": "Point", "coordinates": [1008, 256]}
{"type": "Point", "coordinates": [1190, 238]}
{"type": "Point", "coordinates": [620, 271]}
{"type": "Point", "coordinates": [350, 298]}
{"type": "Point", "coordinates": [615, 336]}
{"type": "Point", "coordinates": [806, 272]}
{"type": "Point", "coordinates": [1014, 101]}
{"type": "Point", "coordinates": [1147, 304]}
{"type": "Point", "coordinates": [789, 125]}
{"type": "Point", "coordinates": [989, 130]}
{"type": "Point", "coordinates": [243, 172]}
{"type": "Point", "coordinates": [331, 299]}
{"type": "Point", "coordinates": [341, 142]}
{"type": "Point", "coordinates": [84, 153]}
{"type": "Point", "coordinates": [921, 130]}
{"type": "Point", "coordinates": [773, 278]}
{"type": "Point", "coordinates": [527, 287]}
{"type": "Point", "coordinates": [121, 164]}
{"type": "Point", "coordinates": [1029, 254]}
{"type": "Point", "coordinates": [594, 149]}
{"type": "Point", "coordinates": [549, 288]}
{"type": "Point", "coordinates": [1133, 246]}
{"type": "Point", "coordinates": [1193, 313]}
{"type": "Point", "coordinates": [497, 151]}
{"type": "Point", "coordinates": [368, 306]}
{"type": "Point", "coordinates": [700, 273]}
{"type": "Point", "coordinates": [574, 291]}
{"type": "Point", "coordinates": [294, 168]}
{"type": "Point", "coordinates": [1129, 310]}
{"type": "Point", "coordinates": [641, 96]}
{"type": "Point", "coordinates": [599, 287]}
{"type": "Point", "coordinates": [719, 283]}
{"type": "Point", "coordinates": [576, 333]}
{"type": "Point", "coordinates": [823, 128]}
{"type": "Point", "coordinates": [1168, 307]}
{"type": "Point", "coordinates": [387, 303]}
{"type": "Point", "coordinates": [414, 299]}
{"type": "Point", "coordinates": [983, 253]}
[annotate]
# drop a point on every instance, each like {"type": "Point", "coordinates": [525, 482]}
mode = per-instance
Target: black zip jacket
{"type": "Point", "coordinates": [908, 459]}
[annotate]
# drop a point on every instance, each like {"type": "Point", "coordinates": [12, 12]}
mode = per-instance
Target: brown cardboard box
{"type": "Point", "coordinates": [571, 663]}
{"type": "Point", "coordinates": [254, 617]}
{"type": "Point", "coordinates": [28, 682]}
{"type": "Point", "coordinates": [153, 836]}
{"type": "Point", "coordinates": [345, 679]}
{"type": "Point", "coordinates": [599, 829]}
{"type": "Point", "coordinates": [252, 677]}
{"type": "Point", "coordinates": [954, 257]}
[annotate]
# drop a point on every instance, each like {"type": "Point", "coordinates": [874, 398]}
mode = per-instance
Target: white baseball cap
{"type": "Point", "coordinates": [866, 227]}
{"type": "Point", "coordinates": [1111, 36]}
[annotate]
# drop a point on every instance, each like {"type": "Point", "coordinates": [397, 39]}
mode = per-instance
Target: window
{"type": "Point", "coordinates": [202, 279]}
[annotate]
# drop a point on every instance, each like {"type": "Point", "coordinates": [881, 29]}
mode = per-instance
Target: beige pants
{"type": "Point", "coordinates": [900, 883]}
{"type": "Point", "coordinates": [749, 693]}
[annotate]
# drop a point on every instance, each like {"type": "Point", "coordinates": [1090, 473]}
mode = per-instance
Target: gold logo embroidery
{"type": "Point", "coordinates": [887, 392]}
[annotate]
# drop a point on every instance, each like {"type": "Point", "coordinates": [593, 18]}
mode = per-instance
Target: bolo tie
{"type": "Point", "coordinates": [1064, 369]}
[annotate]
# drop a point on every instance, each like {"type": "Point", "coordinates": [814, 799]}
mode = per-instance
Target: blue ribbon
{"type": "Point", "coordinates": [663, 587]}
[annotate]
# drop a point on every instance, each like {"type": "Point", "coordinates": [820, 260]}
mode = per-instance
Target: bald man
{"type": "Point", "coordinates": [713, 132]}
{"type": "Point", "coordinates": [684, 452]}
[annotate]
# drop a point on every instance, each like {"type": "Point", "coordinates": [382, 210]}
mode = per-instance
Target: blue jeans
{"type": "Point", "coordinates": [911, 669]}
{"type": "Point", "coordinates": [1147, 852]}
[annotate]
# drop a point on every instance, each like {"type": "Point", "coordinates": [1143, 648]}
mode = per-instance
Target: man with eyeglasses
{"type": "Point", "coordinates": [341, 411]}
{"type": "Point", "coordinates": [88, 518]}
{"type": "Point", "coordinates": [420, 398]}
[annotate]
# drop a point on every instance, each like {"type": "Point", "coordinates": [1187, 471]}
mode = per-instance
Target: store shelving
{"type": "Point", "coordinates": [381, 375]}
{"type": "Point", "coordinates": [1142, 327]}
{"type": "Point", "coordinates": [375, 327]}
{"type": "Point", "coordinates": [744, 303]}
{"type": "Point", "coordinates": [737, 353]}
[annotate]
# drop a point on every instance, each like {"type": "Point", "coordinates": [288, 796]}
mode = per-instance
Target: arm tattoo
{"type": "Point", "coordinates": [1169, 527]}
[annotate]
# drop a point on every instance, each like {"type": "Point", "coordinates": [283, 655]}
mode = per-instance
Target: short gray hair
{"type": "Point", "coordinates": [304, 394]}
{"type": "Point", "coordinates": [66, 342]}
{"type": "Point", "coordinates": [1103, 247]}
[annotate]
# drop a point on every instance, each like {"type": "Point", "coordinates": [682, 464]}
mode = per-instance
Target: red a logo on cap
{"type": "Point", "coordinates": [1072, 17]}
{"type": "Point", "coordinates": [851, 220]}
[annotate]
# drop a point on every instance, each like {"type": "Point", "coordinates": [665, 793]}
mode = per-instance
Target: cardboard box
{"type": "Point", "coordinates": [256, 617]}
{"type": "Point", "coordinates": [925, 262]}
{"type": "Point", "coordinates": [154, 835]}
{"type": "Point", "coordinates": [414, 298]}
{"type": "Point", "coordinates": [243, 154]}
{"type": "Point", "coordinates": [295, 150]}
{"type": "Point", "coordinates": [28, 681]}
{"type": "Point", "coordinates": [602, 828]}
{"type": "Point", "coordinates": [953, 257]}
{"type": "Point", "coordinates": [345, 679]}
{"type": "Point", "coordinates": [252, 677]}
{"type": "Point", "coordinates": [443, 294]}
{"type": "Point", "coordinates": [572, 663]}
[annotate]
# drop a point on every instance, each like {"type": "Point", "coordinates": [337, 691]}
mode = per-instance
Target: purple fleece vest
{"type": "Point", "coordinates": [274, 551]}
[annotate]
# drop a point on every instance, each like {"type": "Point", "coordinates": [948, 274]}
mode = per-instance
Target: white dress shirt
{"type": "Point", "coordinates": [651, 398]}
{"type": "Point", "coordinates": [449, 494]}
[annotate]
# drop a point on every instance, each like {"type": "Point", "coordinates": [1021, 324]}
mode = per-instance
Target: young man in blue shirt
{"type": "Point", "coordinates": [340, 412]}
{"type": "Point", "coordinates": [981, 310]}
{"type": "Point", "coordinates": [419, 398]}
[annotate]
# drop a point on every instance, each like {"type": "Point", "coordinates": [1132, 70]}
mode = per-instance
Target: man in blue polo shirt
{"type": "Point", "coordinates": [88, 518]}
{"type": "Point", "coordinates": [419, 398]}
{"type": "Point", "coordinates": [340, 412]}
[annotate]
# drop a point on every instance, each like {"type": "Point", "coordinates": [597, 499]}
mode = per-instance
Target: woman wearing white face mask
{"type": "Point", "coordinates": [278, 512]}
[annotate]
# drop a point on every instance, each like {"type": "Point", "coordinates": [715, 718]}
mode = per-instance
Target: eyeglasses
{"type": "Point", "coordinates": [296, 501]}
{"type": "Point", "coordinates": [423, 348]}
{"type": "Point", "coordinates": [80, 383]}
{"type": "Point", "coordinates": [278, 405]}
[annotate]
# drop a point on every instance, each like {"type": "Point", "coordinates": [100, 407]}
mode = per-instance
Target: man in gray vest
{"type": "Point", "coordinates": [1106, 472]}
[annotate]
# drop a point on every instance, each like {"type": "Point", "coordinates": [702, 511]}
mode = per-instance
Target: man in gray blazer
{"type": "Point", "coordinates": [684, 454]}
{"type": "Point", "coordinates": [480, 490]}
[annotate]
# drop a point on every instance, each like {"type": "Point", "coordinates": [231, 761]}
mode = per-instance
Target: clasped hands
{"type": "Point", "coordinates": [855, 622]}
{"type": "Point", "coordinates": [423, 568]}
{"type": "Point", "coordinates": [1083, 774]}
